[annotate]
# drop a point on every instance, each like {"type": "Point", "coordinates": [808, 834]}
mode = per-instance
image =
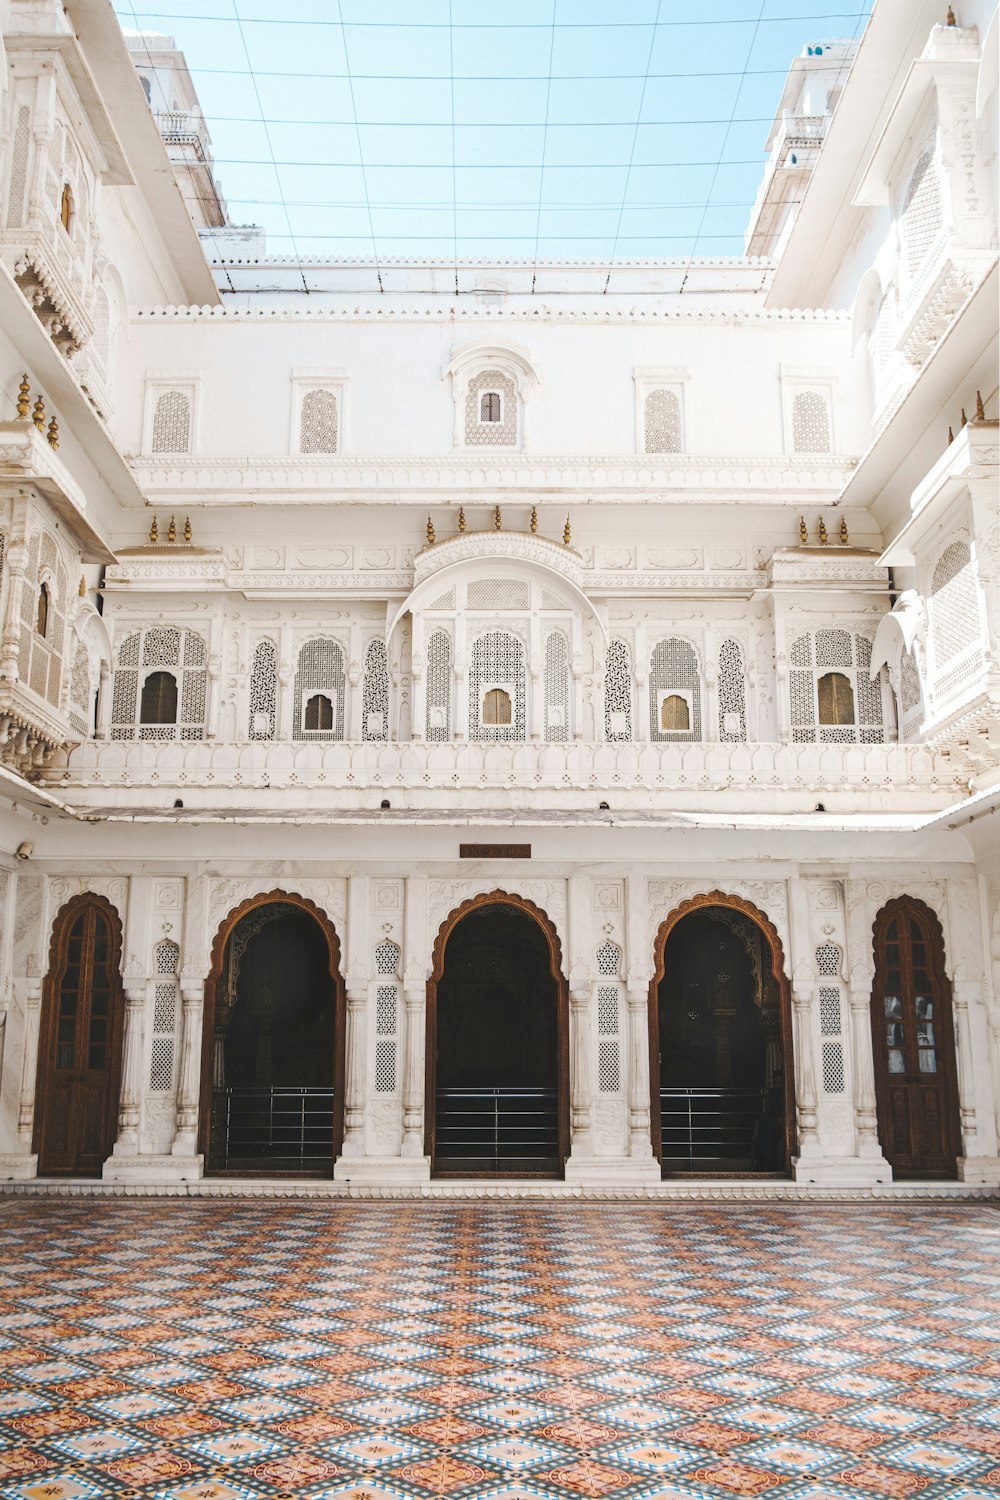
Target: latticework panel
{"type": "Point", "coordinates": [18, 168]}
{"type": "Point", "coordinates": [439, 687]}
{"type": "Point", "coordinates": [375, 694]}
{"type": "Point", "coordinates": [833, 649]}
{"type": "Point", "coordinates": [909, 683]}
{"type": "Point", "coordinates": [263, 703]}
{"type": "Point", "coordinates": [491, 434]}
{"type": "Point", "coordinates": [833, 1068]}
{"type": "Point", "coordinates": [607, 1010]}
{"type": "Point", "coordinates": [921, 218]}
{"type": "Point", "coordinates": [830, 1023]}
{"type": "Point", "coordinates": [497, 661]}
{"type": "Point", "coordinates": [172, 423]}
{"type": "Point", "coordinates": [609, 960]}
{"type": "Point", "coordinates": [385, 1010]}
{"type": "Point", "coordinates": [883, 340]}
{"type": "Point", "coordinates": [320, 672]}
{"type": "Point", "coordinates": [387, 957]}
{"type": "Point", "coordinates": [618, 693]}
{"type": "Point", "coordinates": [557, 687]}
{"type": "Point", "coordinates": [609, 1072]}
{"type": "Point", "coordinates": [828, 960]}
{"type": "Point", "coordinates": [184, 654]}
{"type": "Point", "coordinates": [954, 609]}
{"type": "Point", "coordinates": [662, 422]}
{"type": "Point", "coordinates": [318, 422]}
{"type": "Point", "coordinates": [732, 694]}
{"type": "Point", "coordinates": [497, 594]}
{"type": "Point", "coordinates": [99, 340]}
{"type": "Point", "coordinates": [674, 665]}
{"type": "Point", "coordinates": [810, 422]}
{"type": "Point", "coordinates": [385, 1066]}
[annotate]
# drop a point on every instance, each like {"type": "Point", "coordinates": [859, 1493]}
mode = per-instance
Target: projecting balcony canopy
{"type": "Point", "coordinates": [901, 624]}
{"type": "Point", "coordinates": [505, 554]}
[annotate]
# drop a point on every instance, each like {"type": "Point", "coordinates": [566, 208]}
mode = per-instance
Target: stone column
{"type": "Point", "coordinates": [581, 1122]}
{"type": "Point", "coordinates": [806, 1102]}
{"type": "Point", "coordinates": [863, 1070]}
{"type": "Point", "coordinates": [964, 991]}
{"type": "Point", "coordinates": [640, 1145]}
{"type": "Point", "coordinates": [102, 726]}
{"type": "Point", "coordinates": [130, 1098]}
{"type": "Point", "coordinates": [414, 1003]}
{"type": "Point", "coordinates": [354, 1073]}
{"type": "Point", "coordinates": [29, 1063]}
{"type": "Point", "coordinates": [189, 1070]}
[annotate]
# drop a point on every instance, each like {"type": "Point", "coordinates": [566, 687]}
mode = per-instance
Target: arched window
{"type": "Point", "coordinates": [318, 713]}
{"type": "Point", "coordinates": [172, 423]}
{"type": "Point", "coordinates": [159, 699]}
{"type": "Point", "coordinates": [497, 708]}
{"type": "Point", "coordinates": [491, 410]}
{"type": "Point", "coordinates": [263, 691]}
{"type": "Point", "coordinates": [675, 714]}
{"type": "Point", "coordinates": [921, 216]}
{"type": "Point", "coordinates": [42, 615]}
{"type": "Point", "coordinates": [954, 607]}
{"type": "Point", "coordinates": [662, 422]}
{"type": "Point", "coordinates": [66, 207]}
{"type": "Point", "coordinates": [618, 694]}
{"type": "Point", "coordinates": [438, 721]}
{"type": "Point", "coordinates": [318, 422]}
{"type": "Point", "coordinates": [375, 694]}
{"type": "Point", "coordinates": [489, 406]}
{"type": "Point", "coordinates": [810, 423]}
{"type": "Point", "coordinates": [835, 699]}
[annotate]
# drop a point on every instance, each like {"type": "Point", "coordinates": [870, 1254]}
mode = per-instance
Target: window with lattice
{"type": "Point", "coordinates": [172, 423]}
{"type": "Point", "coordinates": [318, 692]}
{"type": "Point", "coordinates": [607, 1010]}
{"type": "Point", "coordinates": [385, 1066]}
{"type": "Point", "coordinates": [828, 960]}
{"type": "Point", "coordinates": [557, 687]}
{"type": "Point", "coordinates": [618, 693]}
{"type": "Point", "coordinates": [830, 1022]}
{"type": "Point", "coordinates": [732, 694]}
{"type": "Point", "coordinates": [166, 959]}
{"type": "Point", "coordinates": [662, 422]}
{"type": "Point", "coordinates": [375, 693]}
{"type": "Point", "coordinates": [810, 422]}
{"type": "Point", "coordinates": [439, 687]}
{"type": "Point", "coordinates": [497, 594]}
{"type": "Point", "coordinates": [318, 422]}
{"type": "Point", "coordinates": [491, 411]}
{"type": "Point", "coordinates": [921, 219]}
{"type": "Point", "coordinates": [954, 606]}
{"type": "Point", "coordinates": [79, 707]}
{"type": "Point", "coordinates": [98, 348]}
{"type": "Point", "coordinates": [910, 694]}
{"type": "Point", "coordinates": [835, 699]}
{"type": "Point", "coordinates": [840, 706]}
{"type": "Point", "coordinates": [674, 674]}
{"type": "Point", "coordinates": [883, 339]}
{"type": "Point", "coordinates": [387, 962]}
{"type": "Point", "coordinates": [609, 960]}
{"type": "Point", "coordinates": [145, 660]}
{"type": "Point", "coordinates": [18, 168]}
{"type": "Point", "coordinates": [609, 1072]}
{"type": "Point", "coordinates": [833, 1068]}
{"type": "Point", "coordinates": [263, 691]}
{"type": "Point", "coordinates": [497, 671]}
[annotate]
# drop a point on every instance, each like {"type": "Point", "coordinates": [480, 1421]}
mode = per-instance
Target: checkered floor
{"type": "Point", "coordinates": [201, 1351]}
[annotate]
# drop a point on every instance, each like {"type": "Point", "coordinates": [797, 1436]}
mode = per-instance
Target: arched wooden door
{"type": "Point", "coordinates": [80, 1046]}
{"type": "Point", "coordinates": [913, 1036]}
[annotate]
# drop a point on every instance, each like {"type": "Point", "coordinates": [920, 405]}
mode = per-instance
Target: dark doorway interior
{"type": "Point", "coordinates": [497, 1100]}
{"type": "Point", "coordinates": [721, 1082]}
{"type": "Point", "coordinates": [275, 1037]}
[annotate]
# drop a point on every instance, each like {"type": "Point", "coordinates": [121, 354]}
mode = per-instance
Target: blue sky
{"type": "Point", "coordinates": [576, 129]}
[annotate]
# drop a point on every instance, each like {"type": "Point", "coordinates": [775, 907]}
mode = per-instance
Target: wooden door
{"type": "Point", "coordinates": [80, 1048]}
{"type": "Point", "coordinates": [913, 1036]}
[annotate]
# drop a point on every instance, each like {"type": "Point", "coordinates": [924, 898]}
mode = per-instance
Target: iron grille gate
{"type": "Point", "coordinates": [497, 1130]}
{"type": "Point", "coordinates": [715, 1128]}
{"type": "Point", "coordinates": [273, 1128]}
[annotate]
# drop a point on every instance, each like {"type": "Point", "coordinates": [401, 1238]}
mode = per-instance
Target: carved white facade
{"type": "Point", "coordinates": [687, 593]}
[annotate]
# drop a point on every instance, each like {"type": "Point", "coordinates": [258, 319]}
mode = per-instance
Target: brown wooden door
{"type": "Point", "coordinates": [914, 1043]}
{"type": "Point", "coordinates": [80, 1055]}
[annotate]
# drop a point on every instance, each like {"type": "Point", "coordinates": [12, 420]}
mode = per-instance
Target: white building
{"type": "Point", "coordinates": [456, 734]}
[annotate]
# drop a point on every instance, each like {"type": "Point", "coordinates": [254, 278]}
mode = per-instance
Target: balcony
{"type": "Point", "coordinates": [794, 150]}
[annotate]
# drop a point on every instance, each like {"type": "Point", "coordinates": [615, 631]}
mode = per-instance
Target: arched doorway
{"type": "Point", "coordinates": [497, 1047]}
{"type": "Point", "coordinates": [721, 1042]}
{"type": "Point", "coordinates": [80, 1042]}
{"type": "Point", "coordinates": [916, 1083]}
{"type": "Point", "coordinates": [273, 1043]}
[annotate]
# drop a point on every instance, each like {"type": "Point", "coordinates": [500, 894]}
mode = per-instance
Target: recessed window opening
{"type": "Point", "coordinates": [319, 712]}
{"type": "Point", "coordinates": [497, 707]}
{"type": "Point", "coordinates": [159, 699]}
{"type": "Point", "coordinates": [42, 616]}
{"type": "Point", "coordinates": [490, 406]}
{"type": "Point", "coordinates": [66, 207]}
{"type": "Point", "coordinates": [835, 699]}
{"type": "Point", "coordinates": [675, 714]}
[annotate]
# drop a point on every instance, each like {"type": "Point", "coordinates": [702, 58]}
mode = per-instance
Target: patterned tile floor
{"type": "Point", "coordinates": [249, 1351]}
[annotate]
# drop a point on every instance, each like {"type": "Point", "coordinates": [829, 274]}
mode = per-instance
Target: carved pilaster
{"type": "Point", "coordinates": [189, 1075]}
{"type": "Point", "coordinates": [863, 1068]}
{"type": "Point", "coordinates": [581, 1122]}
{"type": "Point", "coordinates": [130, 1098]}
{"type": "Point", "coordinates": [414, 1003]}
{"type": "Point", "coordinates": [29, 1063]}
{"type": "Point", "coordinates": [806, 1103]}
{"type": "Point", "coordinates": [354, 1073]}
{"type": "Point", "coordinates": [640, 1145]}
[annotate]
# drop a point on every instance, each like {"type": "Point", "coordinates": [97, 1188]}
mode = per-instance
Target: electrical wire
{"type": "Point", "coordinates": [361, 154]}
{"type": "Point", "coordinates": [635, 137]}
{"type": "Point", "coordinates": [835, 15]}
{"type": "Point", "coordinates": [545, 142]}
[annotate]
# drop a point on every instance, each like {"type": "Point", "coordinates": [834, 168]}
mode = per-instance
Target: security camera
{"type": "Point", "coordinates": [23, 851]}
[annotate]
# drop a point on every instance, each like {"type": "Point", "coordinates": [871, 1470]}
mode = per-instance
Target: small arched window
{"type": "Point", "coordinates": [497, 707]}
{"type": "Point", "coordinates": [66, 207]}
{"type": "Point", "coordinates": [835, 699]}
{"type": "Point", "coordinates": [159, 699]}
{"type": "Point", "coordinates": [319, 712]}
{"type": "Point", "coordinates": [42, 614]}
{"type": "Point", "coordinates": [489, 406]}
{"type": "Point", "coordinates": [675, 714]}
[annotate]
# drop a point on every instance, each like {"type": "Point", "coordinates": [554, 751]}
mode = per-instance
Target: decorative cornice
{"type": "Point", "coordinates": [516, 546]}
{"type": "Point", "coordinates": [443, 310]}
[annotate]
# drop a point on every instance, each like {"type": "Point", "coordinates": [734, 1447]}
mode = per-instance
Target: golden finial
{"type": "Point", "coordinates": [23, 398]}
{"type": "Point", "coordinates": [154, 532]}
{"type": "Point", "coordinates": [980, 408]}
{"type": "Point", "coordinates": [822, 532]}
{"type": "Point", "coordinates": [187, 530]}
{"type": "Point", "coordinates": [567, 534]}
{"type": "Point", "coordinates": [430, 532]}
{"type": "Point", "coordinates": [461, 518]}
{"type": "Point", "coordinates": [534, 520]}
{"type": "Point", "coordinates": [172, 530]}
{"type": "Point", "coordinates": [38, 415]}
{"type": "Point", "coordinates": [964, 421]}
{"type": "Point", "coordinates": [497, 519]}
{"type": "Point", "coordinates": [844, 538]}
{"type": "Point", "coordinates": [803, 531]}
{"type": "Point", "coordinates": [951, 437]}
{"type": "Point", "coordinates": [951, 17]}
{"type": "Point", "coordinates": [53, 433]}
{"type": "Point", "coordinates": [82, 590]}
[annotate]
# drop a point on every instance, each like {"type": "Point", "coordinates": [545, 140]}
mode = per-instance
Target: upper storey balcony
{"type": "Point", "coordinates": [794, 152]}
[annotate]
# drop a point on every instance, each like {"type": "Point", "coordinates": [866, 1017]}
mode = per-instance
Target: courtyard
{"type": "Point", "coordinates": [252, 1350]}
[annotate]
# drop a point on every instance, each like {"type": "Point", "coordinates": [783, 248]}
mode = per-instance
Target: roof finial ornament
{"type": "Point", "coordinates": [461, 518]}
{"type": "Point", "coordinates": [951, 437]}
{"type": "Point", "coordinates": [53, 433]}
{"type": "Point", "coordinates": [23, 398]}
{"type": "Point", "coordinates": [965, 421]}
{"type": "Point", "coordinates": [172, 530]}
{"type": "Point", "coordinates": [430, 532]}
{"type": "Point", "coordinates": [844, 537]}
{"type": "Point", "coordinates": [951, 18]}
{"type": "Point", "coordinates": [497, 519]}
{"type": "Point", "coordinates": [534, 520]}
{"type": "Point", "coordinates": [980, 408]}
{"type": "Point", "coordinates": [188, 533]}
{"type": "Point", "coordinates": [38, 415]}
{"type": "Point", "coordinates": [803, 531]}
{"type": "Point", "coordinates": [154, 533]}
{"type": "Point", "coordinates": [823, 538]}
{"type": "Point", "coordinates": [82, 590]}
{"type": "Point", "coordinates": [567, 533]}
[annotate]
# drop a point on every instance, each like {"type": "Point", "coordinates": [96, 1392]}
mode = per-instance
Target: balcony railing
{"type": "Point", "coordinates": [272, 1129]}
{"type": "Point", "coordinates": [713, 1130]}
{"type": "Point", "coordinates": [497, 1130]}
